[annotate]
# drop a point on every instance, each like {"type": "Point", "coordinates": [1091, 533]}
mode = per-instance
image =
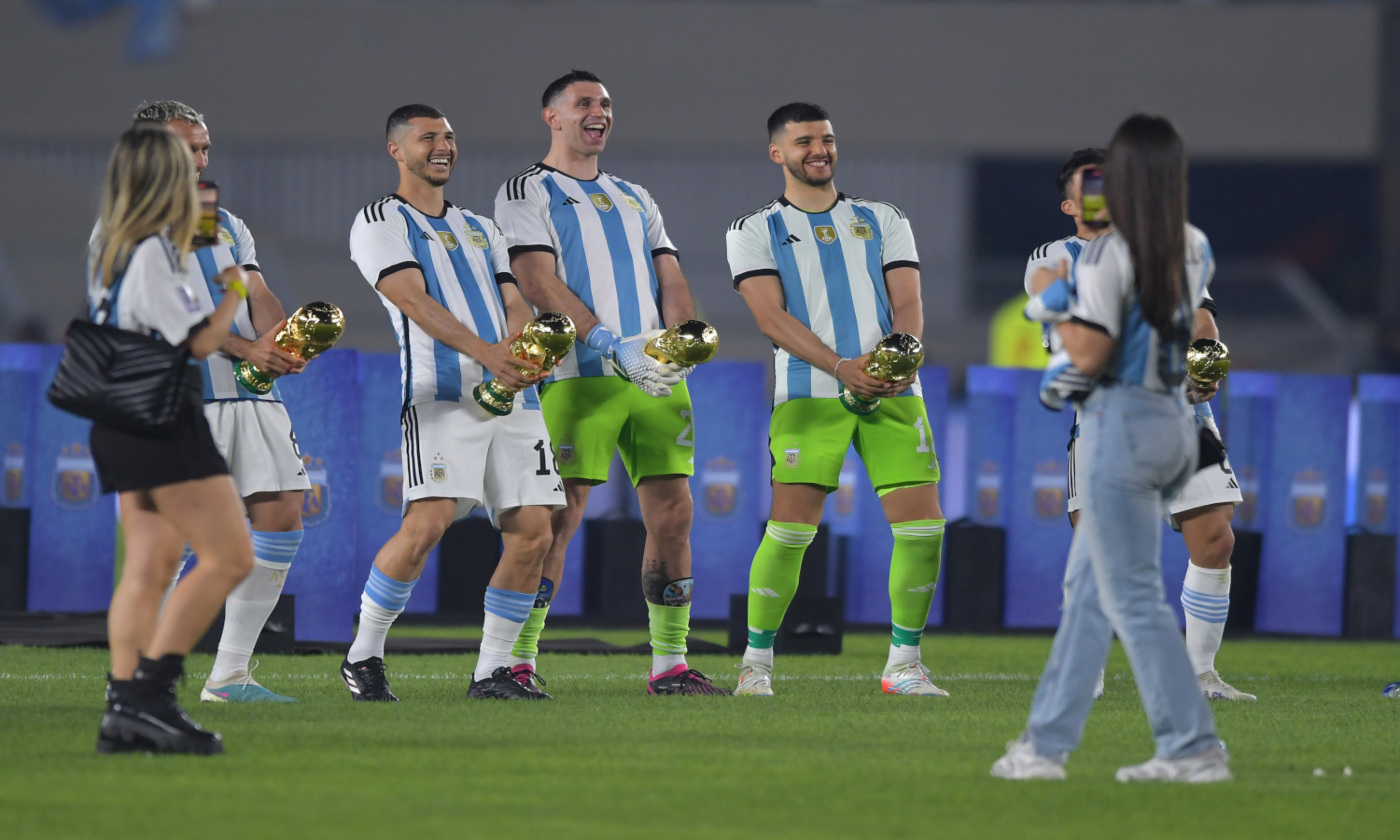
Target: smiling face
{"type": "Point", "coordinates": [582, 114]}
{"type": "Point", "coordinates": [196, 135]}
{"type": "Point", "coordinates": [427, 148]}
{"type": "Point", "coordinates": [807, 151]}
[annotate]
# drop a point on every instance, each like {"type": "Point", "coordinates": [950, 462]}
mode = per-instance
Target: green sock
{"type": "Point", "coordinates": [773, 578]}
{"type": "Point", "coordinates": [913, 575]}
{"type": "Point", "coordinates": [527, 644]}
{"type": "Point", "coordinates": [669, 628]}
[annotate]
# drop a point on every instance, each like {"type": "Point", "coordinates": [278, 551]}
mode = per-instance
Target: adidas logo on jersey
{"type": "Point", "coordinates": [792, 239]}
{"type": "Point", "coordinates": [424, 235]}
{"type": "Point", "coordinates": [568, 201]}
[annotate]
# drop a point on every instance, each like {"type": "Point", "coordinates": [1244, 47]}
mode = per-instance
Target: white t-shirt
{"type": "Point", "coordinates": [157, 294]}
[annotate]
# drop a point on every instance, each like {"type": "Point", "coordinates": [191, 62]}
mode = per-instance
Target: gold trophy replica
{"type": "Point", "coordinates": [546, 340]}
{"type": "Point", "coordinates": [896, 358]}
{"type": "Point", "coordinates": [1207, 362]}
{"type": "Point", "coordinates": [687, 344]}
{"type": "Point", "coordinates": [311, 331]}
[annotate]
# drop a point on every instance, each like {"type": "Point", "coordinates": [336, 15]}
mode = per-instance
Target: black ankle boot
{"type": "Point", "coordinates": [143, 714]}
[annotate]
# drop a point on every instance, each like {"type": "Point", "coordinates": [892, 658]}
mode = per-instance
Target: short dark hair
{"type": "Point", "coordinates": [1083, 157]}
{"type": "Point", "coordinates": [795, 112]}
{"type": "Point", "coordinates": [557, 86]}
{"type": "Point", "coordinates": [404, 113]}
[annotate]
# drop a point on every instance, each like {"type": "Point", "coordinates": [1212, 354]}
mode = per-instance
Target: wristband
{"type": "Point", "coordinates": [238, 288]}
{"type": "Point", "coordinates": [599, 339]}
{"type": "Point", "coordinates": [836, 367]}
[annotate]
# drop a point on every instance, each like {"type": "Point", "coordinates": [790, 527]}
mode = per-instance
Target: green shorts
{"type": "Point", "coordinates": [809, 437]}
{"type": "Point", "coordinates": [590, 417]}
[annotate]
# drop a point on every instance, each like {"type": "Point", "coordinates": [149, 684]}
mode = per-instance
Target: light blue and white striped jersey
{"type": "Point", "coordinates": [235, 247]}
{"type": "Point", "coordinates": [832, 266]}
{"type": "Point", "coordinates": [603, 234]}
{"type": "Point", "coordinates": [462, 257]}
{"type": "Point", "coordinates": [1049, 256]}
{"type": "Point", "coordinates": [1106, 300]}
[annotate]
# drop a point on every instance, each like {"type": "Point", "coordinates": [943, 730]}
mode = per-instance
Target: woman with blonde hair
{"type": "Point", "coordinates": [172, 489]}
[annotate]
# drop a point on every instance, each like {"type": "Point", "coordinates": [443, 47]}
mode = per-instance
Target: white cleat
{"type": "Point", "coordinates": [911, 678]}
{"type": "Point", "coordinates": [1204, 767]}
{"type": "Point", "coordinates": [1023, 762]}
{"type": "Point", "coordinates": [1215, 688]}
{"type": "Point", "coordinates": [754, 681]}
{"type": "Point", "coordinates": [1098, 686]}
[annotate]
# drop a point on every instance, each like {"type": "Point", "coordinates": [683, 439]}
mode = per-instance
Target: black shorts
{"type": "Point", "coordinates": [127, 461]}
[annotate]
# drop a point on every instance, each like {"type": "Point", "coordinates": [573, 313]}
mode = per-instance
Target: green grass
{"type": "Point", "coordinates": [828, 757]}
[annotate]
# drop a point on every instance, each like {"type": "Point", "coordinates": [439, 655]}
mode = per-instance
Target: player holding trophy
{"type": "Point", "coordinates": [443, 274]}
{"type": "Point", "coordinates": [828, 277]}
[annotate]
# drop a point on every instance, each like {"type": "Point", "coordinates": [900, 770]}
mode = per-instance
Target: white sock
{"type": "Point", "coordinates": [245, 612]}
{"type": "Point", "coordinates": [759, 656]}
{"type": "Point", "coordinates": [663, 662]}
{"type": "Point", "coordinates": [375, 622]}
{"type": "Point", "coordinates": [1205, 597]}
{"type": "Point", "coordinates": [514, 660]}
{"type": "Point", "coordinates": [901, 655]}
{"type": "Point", "coordinates": [498, 635]}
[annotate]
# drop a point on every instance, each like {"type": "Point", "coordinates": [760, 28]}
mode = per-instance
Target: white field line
{"type": "Point", "coordinates": [400, 676]}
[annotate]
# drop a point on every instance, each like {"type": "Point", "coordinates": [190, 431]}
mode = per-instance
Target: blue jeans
{"type": "Point", "coordinates": [1136, 450]}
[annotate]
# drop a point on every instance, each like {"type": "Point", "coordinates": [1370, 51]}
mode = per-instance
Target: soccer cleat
{"type": "Point", "coordinates": [682, 679]}
{"type": "Point", "coordinates": [1098, 686]}
{"type": "Point", "coordinates": [241, 688]}
{"type": "Point", "coordinates": [1391, 690]}
{"type": "Point", "coordinates": [143, 716]}
{"type": "Point", "coordinates": [524, 674]}
{"type": "Point", "coordinates": [911, 678]}
{"type": "Point", "coordinates": [1210, 765]}
{"type": "Point", "coordinates": [1215, 688]}
{"type": "Point", "coordinates": [754, 680]}
{"type": "Point", "coordinates": [1022, 762]}
{"type": "Point", "coordinates": [366, 680]}
{"type": "Point", "coordinates": [503, 685]}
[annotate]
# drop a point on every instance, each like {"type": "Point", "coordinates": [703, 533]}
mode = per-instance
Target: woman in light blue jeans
{"type": "Point", "coordinates": [1137, 288]}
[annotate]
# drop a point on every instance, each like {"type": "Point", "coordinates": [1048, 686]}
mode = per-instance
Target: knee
{"type": "Point", "coordinates": [1217, 548]}
{"type": "Point", "coordinates": [672, 516]}
{"type": "Point", "coordinates": [530, 536]}
{"type": "Point", "coordinates": [424, 528]}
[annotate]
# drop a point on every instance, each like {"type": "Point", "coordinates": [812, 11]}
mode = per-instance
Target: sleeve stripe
{"type": "Point", "coordinates": [1090, 324]}
{"type": "Point", "coordinates": [515, 187]}
{"type": "Point", "coordinates": [397, 267]}
{"type": "Point", "coordinates": [1209, 305]}
{"type": "Point", "coordinates": [517, 250]}
{"type": "Point", "coordinates": [914, 264]}
{"type": "Point", "coordinates": [374, 211]}
{"type": "Point", "coordinates": [506, 277]}
{"type": "Point", "coordinates": [656, 252]}
{"type": "Point", "coordinates": [761, 272]}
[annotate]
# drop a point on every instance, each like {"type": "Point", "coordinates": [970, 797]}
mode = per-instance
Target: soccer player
{"type": "Point", "coordinates": [594, 247]}
{"type": "Point", "coordinates": [1203, 510]}
{"type": "Point", "coordinates": [827, 275]}
{"type": "Point", "coordinates": [443, 273]}
{"type": "Point", "coordinates": [253, 431]}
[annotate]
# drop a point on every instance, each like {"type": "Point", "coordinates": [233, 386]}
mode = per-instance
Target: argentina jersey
{"type": "Point", "coordinates": [462, 257]}
{"type": "Point", "coordinates": [604, 234]}
{"type": "Point", "coordinates": [1106, 300]}
{"type": "Point", "coordinates": [832, 268]}
{"type": "Point", "coordinates": [1048, 256]}
{"type": "Point", "coordinates": [235, 247]}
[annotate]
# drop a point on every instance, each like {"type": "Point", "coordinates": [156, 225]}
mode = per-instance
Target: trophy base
{"type": "Point", "coordinates": [251, 378]}
{"type": "Point", "coordinates": [490, 399]}
{"type": "Point", "coordinates": [857, 405]}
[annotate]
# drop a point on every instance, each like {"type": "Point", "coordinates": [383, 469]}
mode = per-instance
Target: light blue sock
{"type": "Point", "coordinates": [382, 601]}
{"type": "Point", "coordinates": [506, 613]}
{"type": "Point", "coordinates": [251, 602]}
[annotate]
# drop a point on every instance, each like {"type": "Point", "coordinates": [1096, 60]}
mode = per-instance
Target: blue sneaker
{"type": "Point", "coordinates": [1392, 690]}
{"type": "Point", "coordinates": [241, 688]}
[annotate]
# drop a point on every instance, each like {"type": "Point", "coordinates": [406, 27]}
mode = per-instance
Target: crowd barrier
{"type": "Point", "coordinates": [1288, 438]}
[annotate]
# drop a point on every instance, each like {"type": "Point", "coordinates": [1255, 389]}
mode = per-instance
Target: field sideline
{"type": "Point", "coordinates": [828, 757]}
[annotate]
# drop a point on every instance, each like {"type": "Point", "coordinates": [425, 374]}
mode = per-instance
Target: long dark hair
{"type": "Point", "coordinates": [1145, 185]}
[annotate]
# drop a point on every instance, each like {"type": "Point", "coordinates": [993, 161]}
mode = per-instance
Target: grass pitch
{"type": "Point", "coordinates": [829, 756]}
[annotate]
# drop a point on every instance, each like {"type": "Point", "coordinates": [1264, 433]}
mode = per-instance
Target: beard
{"type": "Point", "coordinates": [800, 173]}
{"type": "Point", "coordinates": [419, 167]}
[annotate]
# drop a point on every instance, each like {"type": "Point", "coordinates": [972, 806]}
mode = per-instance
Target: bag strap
{"type": "Point", "coordinates": [104, 311]}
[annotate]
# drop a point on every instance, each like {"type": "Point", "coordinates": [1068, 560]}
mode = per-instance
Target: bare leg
{"type": "Point", "coordinates": [153, 548]}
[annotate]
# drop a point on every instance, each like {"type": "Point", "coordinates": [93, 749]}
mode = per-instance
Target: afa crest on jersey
{"type": "Point", "coordinates": [720, 478]}
{"type": "Point", "coordinates": [601, 201]}
{"type": "Point", "coordinates": [226, 237]}
{"type": "Point", "coordinates": [477, 238]}
{"type": "Point", "coordinates": [74, 487]}
{"type": "Point", "coordinates": [14, 474]}
{"type": "Point", "coordinates": [449, 241]}
{"type": "Point", "coordinates": [1048, 491]}
{"type": "Point", "coordinates": [861, 229]}
{"type": "Point", "coordinates": [1309, 494]}
{"type": "Point", "coordinates": [633, 203]}
{"type": "Point", "coordinates": [826, 234]}
{"type": "Point", "coordinates": [1377, 498]}
{"type": "Point", "coordinates": [316, 502]}
{"type": "Point", "coordinates": [988, 490]}
{"type": "Point", "coordinates": [389, 485]}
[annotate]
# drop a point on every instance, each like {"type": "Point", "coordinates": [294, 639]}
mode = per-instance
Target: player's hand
{"type": "Point", "coordinates": [630, 360]}
{"type": "Point", "coordinates": [1197, 394]}
{"type": "Point", "coordinates": [271, 359]}
{"type": "Point", "coordinates": [852, 374]}
{"type": "Point", "coordinates": [506, 366]}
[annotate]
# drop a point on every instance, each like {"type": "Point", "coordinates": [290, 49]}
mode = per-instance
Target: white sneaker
{"type": "Point", "coordinates": [1215, 688]}
{"type": "Point", "coordinates": [755, 680]}
{"type": "Point", "coordinates": [1098, 686]}
{"type": "Point", "coordinates": [910, 678]}
{"type": "Point", "coordinates": [1023, 762]}
{"type": "Point", "coordinates": [1207, 766]}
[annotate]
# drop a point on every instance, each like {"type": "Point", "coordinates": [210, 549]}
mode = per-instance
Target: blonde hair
{"type": "Point", "coordinates": [150, 187]}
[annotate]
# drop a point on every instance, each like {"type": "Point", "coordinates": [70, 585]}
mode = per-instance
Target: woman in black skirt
{"type": "Point", "coordinates": [173, 489]}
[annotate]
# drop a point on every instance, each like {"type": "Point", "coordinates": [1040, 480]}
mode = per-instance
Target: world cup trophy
{"type": "Point", "coordinates": [1207, 362]}
{"type": "Point", "coordinates": [309, 332]}
{"type": "Point", "coordinates": [686, 344]}
{"type": "Point", "coordinates": [896, 358]}
{"type": "Point", "coordinates": [546, 340]}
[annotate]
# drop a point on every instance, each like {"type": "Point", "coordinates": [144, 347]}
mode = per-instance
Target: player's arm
{"type": "Point", "coordinates": [1205, 327]}
{"type": "Point", "coordinates": [1091, 332]}
{"type": "Point", "coordinates": [543, 288]}
{"type": "Point", "coordinates": [676, 303]}
{"type": "Point", "coordinates": [764, 295]}
{"type": "Point", "coordinates": [906, 307]}
{"type": "Point", "coordinates": [266, 313]}
{"type": "Point", "coordinates": [408, 291]}
{"type": "Point", "coordinates": [518, 312]}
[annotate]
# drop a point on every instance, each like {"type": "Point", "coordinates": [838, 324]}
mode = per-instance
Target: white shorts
{"type": "Point", "coordinates": [458, 451]}
{"type": "Point", "coordinates": [1213, 485]}
{"type": "Point", "coordinates": [256, 439]}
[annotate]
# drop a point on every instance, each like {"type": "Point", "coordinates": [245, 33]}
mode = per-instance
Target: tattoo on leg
{"type": "Point", "coordinates": [654, 580]}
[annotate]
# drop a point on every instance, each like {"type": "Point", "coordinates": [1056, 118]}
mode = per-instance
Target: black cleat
{"type": "Point", "coordinates": [366, 680]}
{"type": "Point", "coordinates": [681, 680]}
{"type": "Point", "coordinates": [143, 716]}
{"type": "Point", "coordinates": [501, 685]}
{"type": "Point", "coordinates": [526, 676]}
